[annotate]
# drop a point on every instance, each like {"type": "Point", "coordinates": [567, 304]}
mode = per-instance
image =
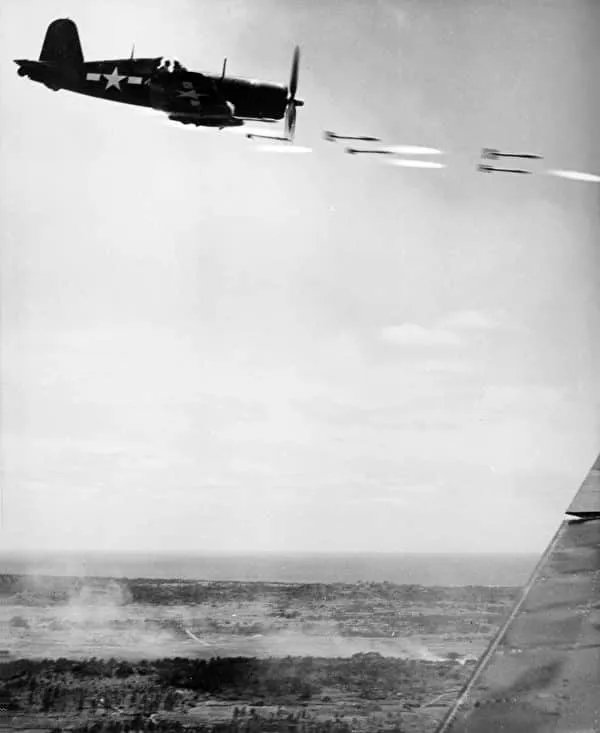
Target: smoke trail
{"type": "Point", "coordinates": [415, 163]}
{"type": "Point", "coordinates": [287, 148]}
{"type": "Point", "coordinates": [412, 150]}
{"type": "Point", "coordinates": [195, 638]}
{"type": "Point", "coordinates": [575, 176]}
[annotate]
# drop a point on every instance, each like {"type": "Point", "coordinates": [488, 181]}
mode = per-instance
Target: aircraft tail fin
{"type": "Point", "coordinates": [61, 44]}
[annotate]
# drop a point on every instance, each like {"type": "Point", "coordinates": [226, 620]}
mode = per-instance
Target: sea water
{"type": "Point", "coordinates": [447, 569]}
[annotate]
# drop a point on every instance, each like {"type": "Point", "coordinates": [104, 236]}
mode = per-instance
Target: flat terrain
{"type": "Point", "coordinates": [104, 654]}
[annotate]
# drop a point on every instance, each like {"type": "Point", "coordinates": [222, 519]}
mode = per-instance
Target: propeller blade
{"type": "Point", "coordinates": [293, 86]}
{"type": "Point", "coordinates": [290, 120]}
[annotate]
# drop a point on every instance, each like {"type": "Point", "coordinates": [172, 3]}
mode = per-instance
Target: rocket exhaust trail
{"type": "Point", "coordinates": [284, 149]}
{"type": "Point", "coordinates": [575, 175]}
{"type": "Point", "coordinates": [416, 163]}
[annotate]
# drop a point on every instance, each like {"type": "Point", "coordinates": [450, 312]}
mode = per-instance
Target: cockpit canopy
{"type": "Point", "coordinates": [170, 65]}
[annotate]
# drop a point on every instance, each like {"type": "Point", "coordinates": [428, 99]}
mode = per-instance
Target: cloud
{"type": "Point", "coordinates": [411, 334]}
{"type": "Point", "coordinates": [471, 319]}
{"type": "Point", "coordinates": [448, 331]}
{"type": "Point", "coordinates": [536, 399]}
{"type": "Point", "coordinates": [397, 16]}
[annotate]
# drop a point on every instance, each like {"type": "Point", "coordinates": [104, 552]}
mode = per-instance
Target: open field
{"type": "Point", "coordinates": [303, 657]}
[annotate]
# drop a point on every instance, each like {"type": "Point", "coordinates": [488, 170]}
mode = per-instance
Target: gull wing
{"type": "Point", "coordinates": [194, 98]}
{"type": "Point", "coordinates": [541, 673]}
{"type": "Point", "coordinates": [220, 117]}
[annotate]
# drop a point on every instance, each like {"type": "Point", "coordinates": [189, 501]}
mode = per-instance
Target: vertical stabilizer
{"type": "Point", "coordinates": [61, 44]}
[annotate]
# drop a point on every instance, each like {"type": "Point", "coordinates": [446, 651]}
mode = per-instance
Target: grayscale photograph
{"type": "Point", "coordinates": [299, 366]}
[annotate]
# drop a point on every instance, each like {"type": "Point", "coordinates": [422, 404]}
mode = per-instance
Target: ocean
{"type": "Point", "coordinates": [418, 569]}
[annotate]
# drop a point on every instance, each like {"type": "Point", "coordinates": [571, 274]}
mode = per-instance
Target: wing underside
{"type": "Point", "coordinates": [193, 98]}
{"type": "Point", "coordinates": [542, 671]}
{"type": "Point", "coordinates": [200, 119]}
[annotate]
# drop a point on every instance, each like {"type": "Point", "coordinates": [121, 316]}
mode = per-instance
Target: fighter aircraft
{"type": "Point", "coordinates": [541, 673]}
{"type": "Point", "coordinates": [332, 137]}
{"type": "Point", "coordinates": [189, 97]}
{"type": "Point", "coordinates": [493, 154]}
{"type": "Point", "coordinates": [494, 169]}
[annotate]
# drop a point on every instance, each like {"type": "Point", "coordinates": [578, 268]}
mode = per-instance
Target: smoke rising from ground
{"type": "Point", "coordinates": [136, 619]}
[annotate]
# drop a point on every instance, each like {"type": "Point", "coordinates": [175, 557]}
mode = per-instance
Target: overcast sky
{"type": "Point", "coordinates": [209, 347]}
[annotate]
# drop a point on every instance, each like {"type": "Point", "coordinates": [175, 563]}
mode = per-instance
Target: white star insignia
{"type": "Point", "coordinates": [114, 79]}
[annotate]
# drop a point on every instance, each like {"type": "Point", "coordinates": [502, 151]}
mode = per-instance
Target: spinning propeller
{"type": "Point", "coordinates": [292, 102]}
{"type": "Point", "coordinates": [290, 106]}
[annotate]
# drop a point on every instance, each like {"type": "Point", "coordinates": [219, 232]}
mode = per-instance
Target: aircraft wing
{"type": "Point", "coordinates": [542, 671]}
{"type": "Point", "coordinates": [194, 98]}
{"type": "Point", "coordinates": [214, 118]}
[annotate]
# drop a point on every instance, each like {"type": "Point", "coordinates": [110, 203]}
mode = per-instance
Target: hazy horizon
{"type": "Point", "coordinates": [438, 569]}
{"type": "Point", "coordinates": [148, 552]}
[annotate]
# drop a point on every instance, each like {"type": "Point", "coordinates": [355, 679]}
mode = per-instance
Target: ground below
{"type": "Point", "coordinates": [99, 654]}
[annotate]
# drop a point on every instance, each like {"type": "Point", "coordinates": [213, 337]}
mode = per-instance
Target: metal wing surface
{"type": "Point", "coordinates": [220, 117]}
{"type": "Point", "coordinates": [541, 674]}
{"type": "Point", "coordinates": [194, 98]}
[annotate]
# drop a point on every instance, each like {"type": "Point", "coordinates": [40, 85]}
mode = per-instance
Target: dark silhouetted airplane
{"type": "Point", "coordinates": [189, 97]}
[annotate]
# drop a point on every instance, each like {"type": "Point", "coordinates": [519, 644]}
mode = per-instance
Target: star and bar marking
{"type": "Point", "coordinates": [114, 79]}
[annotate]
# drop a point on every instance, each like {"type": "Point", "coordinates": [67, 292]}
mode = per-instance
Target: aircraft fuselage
{"type": "Point", "coordinates": [141, 82]}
